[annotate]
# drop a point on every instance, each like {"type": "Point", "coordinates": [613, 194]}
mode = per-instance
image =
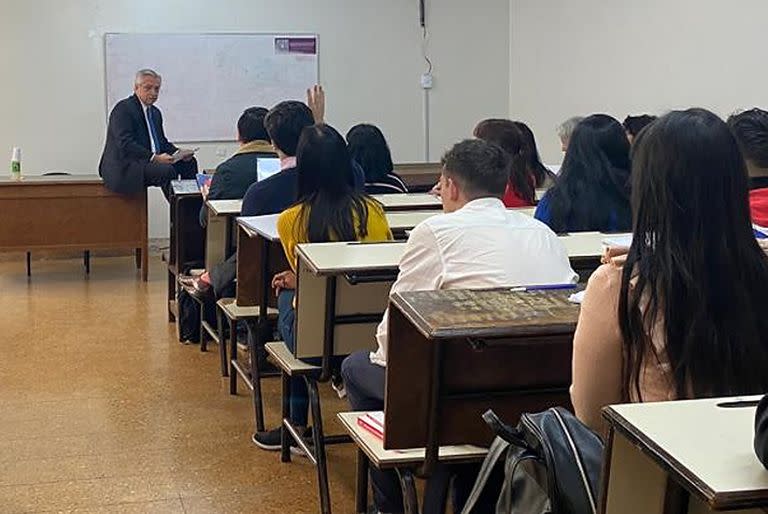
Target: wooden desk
{"type": "Point", "coordinates": [682, 457]}
{"type": "Point", "coordinates": [187, 237]}
{"type": "Point", "coordinates": [409, 202]}
{"type": "Point", "coordinates": [220, 230]}
{"type": "Point", "coordinates": [70, 212]}
{"type": "Point", "coordinates": [419, 176]}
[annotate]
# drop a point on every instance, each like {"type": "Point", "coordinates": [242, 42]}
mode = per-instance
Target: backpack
{"type": "Point", "coordinates": [189, 317]}
{"type": "Point", "coordinates": [551, 465]}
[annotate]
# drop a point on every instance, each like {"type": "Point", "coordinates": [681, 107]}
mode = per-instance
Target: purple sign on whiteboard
{"type": "Point", "coordinates": [296, 45]}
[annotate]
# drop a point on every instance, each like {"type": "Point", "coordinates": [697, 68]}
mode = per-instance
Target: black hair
{"type": "Point", "coordinates": [532, 158]}
{"type": "Point", "coordinates": [368, 148]}
{"type": "Point", "coordinates": [480, 168]}
{"type": "Point", "coordinates": [592, 191]}
{"type": "Point", "coordinates": [634, 124]}
{"type": "Point", "coordinates": [751, 131]}
{"type": "Point", "coordinates": [507, 135]}
{"type": "Point", "coordinates": [695, 275]}
{"type": "Point", "coordinates": [250, 126]}
{"type": "Point", "coordinates": [330, 206]}
{"type": "Point", "coordinates": [284, 123]}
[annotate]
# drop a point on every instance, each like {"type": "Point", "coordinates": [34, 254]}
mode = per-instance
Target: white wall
{"type": "Point", "coordinates": [52, 91]}
{"type": "Point", "coordinates": [628, 57]}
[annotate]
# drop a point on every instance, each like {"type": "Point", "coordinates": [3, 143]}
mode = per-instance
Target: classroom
{"type": "Point", "coordinates": [415, 256]}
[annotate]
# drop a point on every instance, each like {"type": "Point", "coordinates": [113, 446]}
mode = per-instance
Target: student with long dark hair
{"type": "Point", "coordinates": [634, 124]}
{"type": "Point", "coordinates": [592, 191]}
{"type": "Point", "coordinates": [370, 150]}
{"type": "Point", "coordinates": [328, 209]}
{"type": "Point", "coordinates": [543, 176]}
{"type": "Point", "coordinates": [520, 190]}
{"type": "Point", "coordinates": [683, 316]}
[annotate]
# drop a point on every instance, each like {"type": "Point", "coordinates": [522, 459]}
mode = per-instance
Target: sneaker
{"type": "Point", "coordinates": [296, 449]}
{"type": "Point", "coordinates": [270, 441]}
{"type": "Point", "coordinates": [337, 383]}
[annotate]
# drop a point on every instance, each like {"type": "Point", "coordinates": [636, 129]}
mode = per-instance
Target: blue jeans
{"type": "Point", "coordinates": [286, 318]}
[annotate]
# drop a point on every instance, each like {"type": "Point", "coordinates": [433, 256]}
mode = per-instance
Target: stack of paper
{"type": "Point", "coordinates": [373, 422]}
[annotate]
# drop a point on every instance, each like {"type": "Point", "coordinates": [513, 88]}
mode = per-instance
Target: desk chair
{"type": "Point", "coordinates": [86, 253]}
{"type": "Point", "coordinates": [346, 311]}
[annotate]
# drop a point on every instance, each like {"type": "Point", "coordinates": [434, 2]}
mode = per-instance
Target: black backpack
{"type": "Point", "coordinates": [552, 465]}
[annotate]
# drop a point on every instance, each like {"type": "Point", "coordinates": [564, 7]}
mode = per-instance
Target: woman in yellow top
{"type": "Point", "coordinates": [328, 209]}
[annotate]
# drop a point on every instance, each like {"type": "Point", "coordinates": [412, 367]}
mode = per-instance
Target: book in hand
{"type": "Point", "coordinates": [183, 153]}
{"type": "Point", "coordinates": [204, 184]}
{"type": "Point", "coordinates": [373, 422]}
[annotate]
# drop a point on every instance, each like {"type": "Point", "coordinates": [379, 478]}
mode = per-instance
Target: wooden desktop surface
{"type": "Point", "coordinates": [225, 207]}
{"type": "Point", "coordinates": [409, 201]}
{"type": "Point", "coordinates": [705, 447]}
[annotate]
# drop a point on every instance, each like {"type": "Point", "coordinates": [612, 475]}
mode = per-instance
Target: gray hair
{"type": "Point", "coordinates": [146, 72]}
{"type": "Point", "coordinates": [566, 128]}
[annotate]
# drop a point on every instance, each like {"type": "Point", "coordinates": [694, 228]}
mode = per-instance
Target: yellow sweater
{"type": "Point", "coordinates": [291, 235]}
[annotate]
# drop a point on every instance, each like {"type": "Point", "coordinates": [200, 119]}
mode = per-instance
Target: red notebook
{"type": "Point", "coordinates": [373, 422]}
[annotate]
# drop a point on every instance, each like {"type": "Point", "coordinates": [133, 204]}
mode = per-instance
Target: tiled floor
{"type": "Point", "coordinates": [102, 410]}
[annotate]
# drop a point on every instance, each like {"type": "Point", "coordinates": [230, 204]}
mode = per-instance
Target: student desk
{"type": "Point", "coordinates": [691, 456]}
{"type": "Point", "coordinates": [187, 237]}
{"type": "Point", "coordinates": [453, 354]}
{"type": "Point", "coordinates": [409, 202]}
{"type": "Point", "coordinates": [419, 176]}
{"type": "Point", "coordinates": [219, 229]}
{"type": "Point", "coordinates": [71, 212]}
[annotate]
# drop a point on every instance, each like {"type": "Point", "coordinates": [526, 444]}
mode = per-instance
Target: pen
{"type": "Point", "coordinates": [545, 287]}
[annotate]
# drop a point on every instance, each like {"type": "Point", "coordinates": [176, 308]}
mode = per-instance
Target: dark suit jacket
{"type": "Point", "coordinates": [761, 431]}
{"type": "Point", "coordinates": [127, 149]}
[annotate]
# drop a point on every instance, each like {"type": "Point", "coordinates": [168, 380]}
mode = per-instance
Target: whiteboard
{"type": "Point", "coordinates": [210, 79]}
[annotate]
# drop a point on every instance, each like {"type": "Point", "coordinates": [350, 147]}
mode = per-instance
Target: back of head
{"type": "Point", "coordinates": [566, 128]}
{"type": "Point", "coordinates": [330, 203]}
{"type": "Point", "coordinates": [507, 135]}
{"type": "Point", "coordinates": [634, 124]}
{"type": "Point", "coordinates": [480, 169]}
{"type": "Point", "coordinates": [532, 158]}
{"type": "Point", "coordinates": [369, 149]}
{"type": "Point", "coordinates": [695, 266]}
{"type": "Point", "coordinates": [250, 126]}
{"type": "Point", "coordinates": [284, 123]}
{"type": "Point", "coordinates": [592, 191]}
{"type": "Point", "coordinates": [751, 131]}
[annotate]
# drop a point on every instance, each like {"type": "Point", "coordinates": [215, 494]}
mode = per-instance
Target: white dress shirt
{"type": "Point", "coordinates": [482, 245]}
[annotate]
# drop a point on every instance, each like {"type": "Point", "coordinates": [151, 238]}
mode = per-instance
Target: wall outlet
{"type": "Point", "coordinates": [221, 151]}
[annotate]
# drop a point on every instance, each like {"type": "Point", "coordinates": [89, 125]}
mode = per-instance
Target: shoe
{"type": "Point", "coordinates": [337, 383]}
{"type": "Point", "coordinates": [270, 441]}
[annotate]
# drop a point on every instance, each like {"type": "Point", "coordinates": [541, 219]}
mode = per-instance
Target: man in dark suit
{"type": "Point", "coordinates": [137, 153]}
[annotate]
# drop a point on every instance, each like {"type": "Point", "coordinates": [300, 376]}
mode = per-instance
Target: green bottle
{"type": "Point", "coordinates": [16, 163]}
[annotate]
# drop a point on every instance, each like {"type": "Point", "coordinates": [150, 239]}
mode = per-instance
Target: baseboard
{"type": "Point", "coordinates": [156, 247]}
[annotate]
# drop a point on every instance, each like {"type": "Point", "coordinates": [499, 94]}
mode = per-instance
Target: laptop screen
{"type": "Point", "coordinates": [267, 166]}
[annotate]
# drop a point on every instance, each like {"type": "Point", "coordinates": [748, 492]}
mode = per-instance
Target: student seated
{"type": "Point", "coordinates": [329, 209]}
{"type": "Point", "coordinates": [542, 175]}
{"type": "Point", "coordinates": [682, 315]}
{"type": "Point", "coordinates": [751, 131]}
{"type": "Point", "coordinates": [520, 190]}
{"type": "Point", "coordinates": [477, 243]}
{"type": "Point", "coordinates": [592, 191]}
{"type": "Point", "coordinates": [284, 124]}
{"type": "Point", "coordinates": [234, 176]}
{"type": "Point", "coordinates": [369, 149]}
{"type": "Point", "coordinates": [761, 431]}
{"type": "Point", "coordinates": [565, 131]}
{"type": "Point", "coordinates": [634, 124]}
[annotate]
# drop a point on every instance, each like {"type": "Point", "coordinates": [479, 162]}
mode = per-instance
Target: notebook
{"type": "Point", "coordinates": [204, 184]}
{"type": "Point", "coordinates": [373, 422]}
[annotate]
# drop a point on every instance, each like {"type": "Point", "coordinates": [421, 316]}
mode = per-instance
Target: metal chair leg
{"type": "Point", "coordinates": [232, 357]}
{"type": "Point", "coordinates": [87, 261]}
{"type": "Point", "coordinates": [319, 446]}
{"type": "Point", "coordinates": [408, 485]}
{"type": "Point", "coordinates": [258, 410]}
{"type": "Point", "coordinates": [203, 332]}
{"type": "Point", "coordinates": [29, 264]}
{"type": "Point", "coordinates": [285, 405]}
{"type": "Point", "coordinates": [361, 493]}
{"type": "Point", "coordinates": [222, 342]}
{"type": "Point", "coordinates": [138, 258]}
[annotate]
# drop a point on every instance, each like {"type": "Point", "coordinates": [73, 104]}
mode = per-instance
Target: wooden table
{"type": "Point", "coordinates": [71, 212]}
{"type": "Point", "coordinates": [692, 456]}
{"type": "Point", "coordinates": [219, 230]}
{"type": "Point", "coordinates": [409, 202]}
{"type": "Point", "coordinates": [419, 176]}
{"type": "Point", "coordinates": [187, 237]}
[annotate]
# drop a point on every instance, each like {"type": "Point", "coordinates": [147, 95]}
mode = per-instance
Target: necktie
{"type": "Point", "coordinates": [152, 131]}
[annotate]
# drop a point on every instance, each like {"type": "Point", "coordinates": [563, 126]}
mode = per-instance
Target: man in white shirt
{"type": "Point", "coordinates": [476, 244]}
{"type": "Point", "coordinates": [136, 152]}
